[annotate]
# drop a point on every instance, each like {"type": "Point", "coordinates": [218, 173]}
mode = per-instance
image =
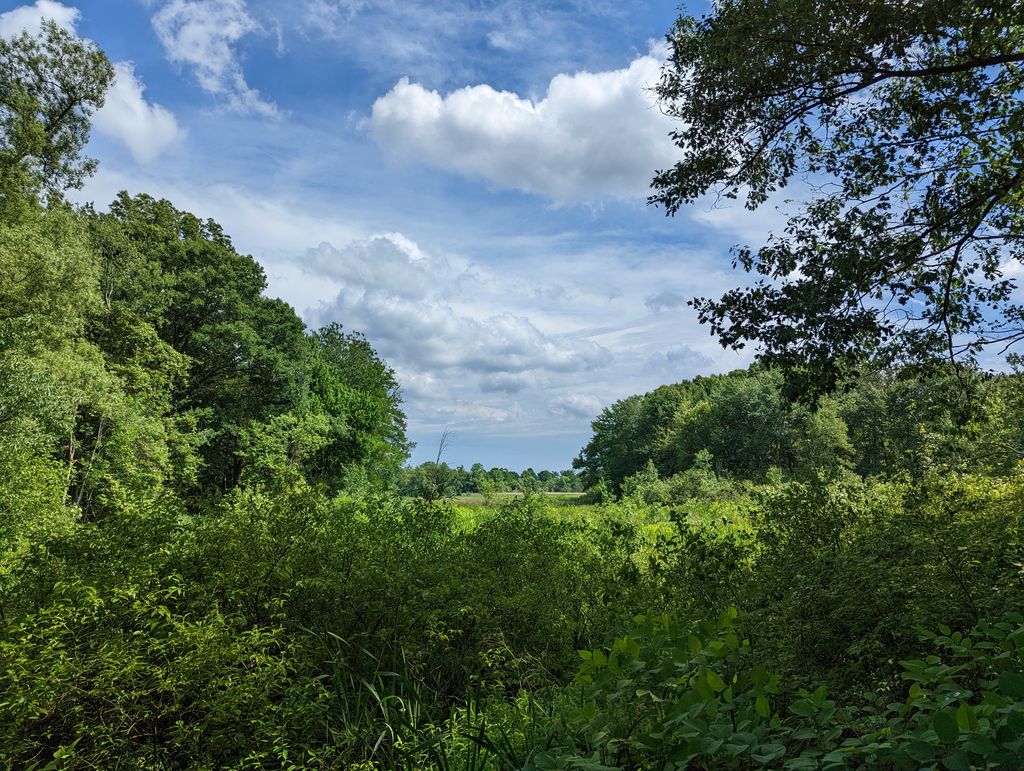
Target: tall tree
{"type": "Point", "coordinates": [50, 85]}
{"type": "Point", "coordinates": [906, 121]}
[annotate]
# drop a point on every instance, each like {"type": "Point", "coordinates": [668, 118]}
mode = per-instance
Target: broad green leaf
{"type": "Point", "coordinates": [715, 680]}
{"type": "Point", "coordinates": [762, 707]}
{"type": "Point", "coordinates": [945, 725]}
{"type": "Point", "coordinates": [802, 707]}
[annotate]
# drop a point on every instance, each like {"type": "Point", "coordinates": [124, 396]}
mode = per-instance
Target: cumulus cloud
{"type": "Point", "coordinates": [476, 346]}
{"type": "Point", "coordinates": [460, 356]}
{"type": "Point", "coordinates": [389, 263]}
{"type": "Point", "coordinates": [202, 34]}
{"type": "Point", "coordinates": [507, 382]}
{"type": "Point", "coordinates": [680, 361]}
{"type": "Point", "coordinates": [592, 135]}
{"type": "Point", "coordinates": [30, 17]}
{"type": "Point", "coordinates": [146, 129]}
{"type": "Point", "coordinates": [577, 405]}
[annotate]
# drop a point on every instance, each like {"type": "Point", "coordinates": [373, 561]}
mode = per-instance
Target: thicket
{"type": "Point", "coordinates": [205, 562]}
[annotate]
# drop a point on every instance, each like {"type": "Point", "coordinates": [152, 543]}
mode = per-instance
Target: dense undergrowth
{"type": "Point", "coordinates": [291, 628]}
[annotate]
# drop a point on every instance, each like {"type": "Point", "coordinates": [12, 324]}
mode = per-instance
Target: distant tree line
{"type": "Point", "coordinates": [434, 480]}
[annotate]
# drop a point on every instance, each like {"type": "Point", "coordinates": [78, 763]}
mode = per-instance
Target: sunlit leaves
{"type": "Point", "coordinates": [50, 85]}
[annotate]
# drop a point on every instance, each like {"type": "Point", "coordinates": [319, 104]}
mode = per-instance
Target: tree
{"type": "Point", "coordinates": [182, 275]}
{"type": "Point", "coordinates": [743, 421]}
{"type": "Point", "coordinates": [615, 451]}
{"type": "Point", "coordinates": [360, 395]}
{"type": "Point", "coordinates": [906, 122]}
{"type": "Point", "coordinates": [529, 481]}
{"type": "Point", "coordinates": [50, 84]}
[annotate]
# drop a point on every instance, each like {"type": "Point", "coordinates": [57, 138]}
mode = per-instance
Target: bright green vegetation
{"type": "Point", "coordinates": [206, 560]}
{"type": "Point", "coordinates": [883, 424]}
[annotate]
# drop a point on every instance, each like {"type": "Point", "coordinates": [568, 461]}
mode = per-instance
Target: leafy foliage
{"type": "Point", "coordinates": [206, 559]}
{"type": "Point", "coordinates": [672, 695]}
{"type": "Point", "coordinates": [904, 120]}
{"type": "Point", "coordinates": [50, 85]}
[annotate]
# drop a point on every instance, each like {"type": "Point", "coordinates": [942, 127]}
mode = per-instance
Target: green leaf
{"type": "Point", "coordinates": [1012, 684]}
{"type": "Point", "coordinates": [980, 745]}
{"type": "Point", "coordinates": [766, 753]}
{"type": "Point", "coordinates": [700, 685]}
{"type": "Point", "coordinates": [921, 751]}
{"type": "Point", "coordinates": [762, 707]}
{"type": "Point", "coordinates": [802, 707]}
{"type": "Point", "coordinates": [715, 680]}
{"type": "Point", "coordinates": [965, 718]}
{"type": "Point", "coordinates": [945, 725]}
{"type": "Point", "coordinates": [957, 761]}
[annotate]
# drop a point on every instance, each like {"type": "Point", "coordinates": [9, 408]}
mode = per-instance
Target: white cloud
{"type": "Point", "coordinates": [414, 307]}
{"type": "Point", "coordinates": [146, 129]}
{"type": "Point", "coordinates": [678, 362]}
{"type": "Point", "coordinates": [30, 17]}
{"type": "Point", "coordinates": [592, 135]}
{"type": "Point", "coordinates": [477, 348]}
{"type": "Point", "coordinates": [441, 42]}
{"type": "Point", "coordinates": [202, 35]}
{"type": "Point", "coordinates": [665, 300]}
{"type": "Point", "coordinates": [508, 382]}
{"type": "Point", "coordinates": [577, 405]}
{"type": "Point", "coordinates": [389, 262]}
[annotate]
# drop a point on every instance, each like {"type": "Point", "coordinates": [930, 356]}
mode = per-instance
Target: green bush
{"type": "Point", "coordinates": [676, 695]}
{"type": "Point", "coordinates": [122, 678]}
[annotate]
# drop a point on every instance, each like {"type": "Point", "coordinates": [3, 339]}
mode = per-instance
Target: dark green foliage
{"type": "Point", "coordinates": [616, 451]}
{"type": "Point", "coordinates": [847, 571]}
{"type": "Point", "coordinates": [205, 301]}
{"type": "Point", "coordinates": [359, 393]}
{"type": "Point", "coordinates": [905, 121]}
{"type": "Point", "coordinates": [675, 695]}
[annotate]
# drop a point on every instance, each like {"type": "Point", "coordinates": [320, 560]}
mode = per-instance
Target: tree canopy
{"type": "Point", "coordinates": [905, 123]}
{"type": "Point", "coordinates": [884, 423]}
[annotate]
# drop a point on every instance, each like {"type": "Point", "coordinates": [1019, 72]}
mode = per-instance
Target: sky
{"type": "Point", "coordinates": [464, 182]}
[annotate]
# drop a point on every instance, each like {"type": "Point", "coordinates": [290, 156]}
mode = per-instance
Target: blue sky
{"type": "Point", "coordinates": [463, 182]}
